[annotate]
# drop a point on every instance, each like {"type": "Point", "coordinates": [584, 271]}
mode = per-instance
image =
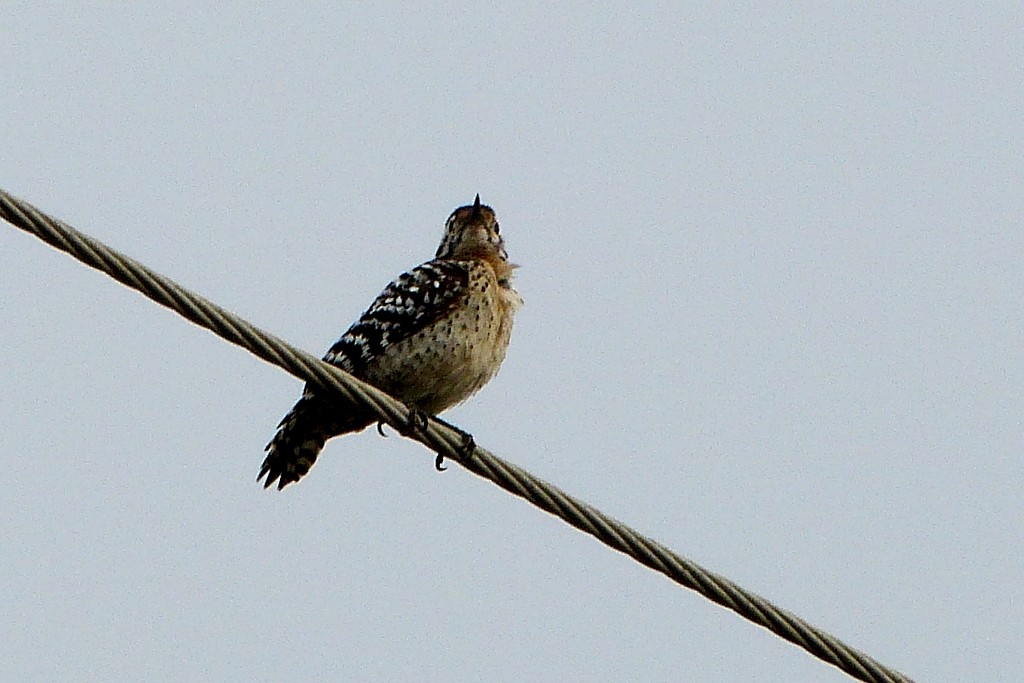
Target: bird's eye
{"type": "Point", "coordinates": [497, 229]}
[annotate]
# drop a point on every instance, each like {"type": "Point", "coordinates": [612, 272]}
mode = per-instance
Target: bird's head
{"type": "Point", "coordinates": [472, 232]}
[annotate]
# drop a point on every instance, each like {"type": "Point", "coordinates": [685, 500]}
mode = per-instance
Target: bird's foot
{"type": "Point", "coordinates": [415, 423]}
{"type": "Point", "coordinates": [465, 449]}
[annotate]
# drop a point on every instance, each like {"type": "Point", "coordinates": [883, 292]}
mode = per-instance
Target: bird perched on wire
{"type": "Point", "coordinates": [431, 339]}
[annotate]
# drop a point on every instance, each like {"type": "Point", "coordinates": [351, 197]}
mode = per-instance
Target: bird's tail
{"type": "Point", "coordinates": [301, 436]}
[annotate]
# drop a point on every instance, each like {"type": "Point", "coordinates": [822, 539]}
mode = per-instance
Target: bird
{"type": "Point", "coordinates": [434, 337]}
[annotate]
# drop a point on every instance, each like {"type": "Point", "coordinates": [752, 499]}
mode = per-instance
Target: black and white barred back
{"type": "Point", "coordinates": [407, 305]}
{"type": "Point", "coordinates": [407, 342]}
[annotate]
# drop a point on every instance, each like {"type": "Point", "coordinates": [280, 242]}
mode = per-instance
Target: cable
{"type": "Point", "coordinates": [446, 441]}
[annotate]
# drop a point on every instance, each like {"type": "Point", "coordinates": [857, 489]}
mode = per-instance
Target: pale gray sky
{"type": "Point", "coordinates": [772, 264]}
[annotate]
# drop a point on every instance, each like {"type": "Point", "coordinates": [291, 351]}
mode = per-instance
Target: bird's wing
{"type": "Point", "coordinates": [410, 303]}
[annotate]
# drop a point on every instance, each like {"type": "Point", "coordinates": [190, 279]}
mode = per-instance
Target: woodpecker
{"type": "Point", "coordinates": [431, 339]}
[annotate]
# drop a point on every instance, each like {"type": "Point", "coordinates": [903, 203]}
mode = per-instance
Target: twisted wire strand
{"type": "Point", "coordinates": [445, 441]}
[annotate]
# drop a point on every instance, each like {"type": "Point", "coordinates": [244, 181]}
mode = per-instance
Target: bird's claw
{"type": "Point", "coordinates": [416, 422]}
{"type": "Point", "coordinates": [465, 449]}
{"type": "Point", "coordinates": [468, 446]}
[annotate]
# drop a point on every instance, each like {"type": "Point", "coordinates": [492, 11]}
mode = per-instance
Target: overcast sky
{"type": "Point", "coordinates": [772, 265]}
